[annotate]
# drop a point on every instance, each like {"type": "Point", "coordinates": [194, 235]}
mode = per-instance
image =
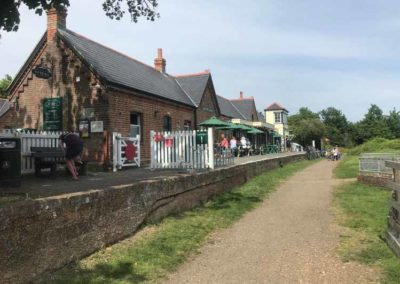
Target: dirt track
{"type": "Point", "coordinates": [290, 238]}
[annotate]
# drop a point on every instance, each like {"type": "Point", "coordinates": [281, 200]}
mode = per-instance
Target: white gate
{"type": "Point", "coordinates": [126, 151]}
{"type": "Point", "coordinates": [32, 139]}
{"type": "Point", "coordinates": [182, 149]}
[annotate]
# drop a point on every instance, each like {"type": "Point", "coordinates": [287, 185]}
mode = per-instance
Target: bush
{"type": "Point", "coordinates": [377, 145]}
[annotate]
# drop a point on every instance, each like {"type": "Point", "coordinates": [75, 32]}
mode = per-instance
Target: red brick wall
{"type": "Point", "coordinates": [77, 95]}
{"type": "Point", "coordinates": [111, 107]}
{"type": "Point", "coordinates": [208, 105]}
{"type": "Point", "coordinates": [121, 104]}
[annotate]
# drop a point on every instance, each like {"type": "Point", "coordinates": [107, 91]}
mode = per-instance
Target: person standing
{"type": "Point", "coordinates": [72, 146]}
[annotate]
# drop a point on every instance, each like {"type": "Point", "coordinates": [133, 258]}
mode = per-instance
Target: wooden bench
{"type": "Point", "coordinates": [48, 158]}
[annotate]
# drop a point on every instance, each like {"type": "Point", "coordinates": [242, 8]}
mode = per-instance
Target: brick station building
{"type": "Point", "coordinates": [92, 82]}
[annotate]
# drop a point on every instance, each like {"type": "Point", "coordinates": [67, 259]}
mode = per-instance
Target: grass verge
{"type": "Point", "coordinates": [363, 210]}
{"type": "Point", "coordinates": [347, 168]}
{"type": "Point", "coordinates": [166, 245]}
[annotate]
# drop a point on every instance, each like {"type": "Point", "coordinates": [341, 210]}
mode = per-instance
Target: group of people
{"type": "Point", "coordinates": [233, 143]}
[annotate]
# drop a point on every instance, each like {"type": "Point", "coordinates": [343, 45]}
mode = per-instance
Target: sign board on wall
{"type": "Point", "coordinates": [96, 126]}
{"type": "Point", "coordinates": [84, 128]}
{"type": "Point", "coordinates": [42, 72]}
{"type": "Point", "coordinates": [52, 114]}
{"type": "Point", "coordinates": [88, 112]}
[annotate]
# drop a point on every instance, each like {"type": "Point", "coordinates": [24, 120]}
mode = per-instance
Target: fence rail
{"type": "Point", "coordinates": [375, 162]}
{"type": "Point", "coordinates": [393, 231]}
{"type": "Point", "coordinates": [32, 139]}
{"type": "Point", "coordinates": [180, 150]}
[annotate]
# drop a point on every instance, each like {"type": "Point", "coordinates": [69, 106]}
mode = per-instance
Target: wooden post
{"type": "Point", "coordinates": [393, 231]}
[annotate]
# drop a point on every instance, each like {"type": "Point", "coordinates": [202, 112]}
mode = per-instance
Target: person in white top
{"type": "Point", "coordinates": [243, 142]}
{"type": "Point", "coordinates": [233, 143]}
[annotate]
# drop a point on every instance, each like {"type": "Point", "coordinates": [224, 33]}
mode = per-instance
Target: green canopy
{"type": "Point", "coordinates": [231, 126]}
{"type": "Point", "coordinates": [276, 135]}
{"type": "Point", "coordinates": [245, 127]}
{"type": "Point", "coordinates": [255, 131]}
{"type": "Point", "coordinates": [214, 122]}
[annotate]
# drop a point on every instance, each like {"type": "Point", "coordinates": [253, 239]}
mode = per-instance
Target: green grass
{"type": "Point", "coordinates": [347, 167]}
{"type": "Point", "coordinates": [166, 245]}
{"type": "Point", "coordinates": [363, 209]}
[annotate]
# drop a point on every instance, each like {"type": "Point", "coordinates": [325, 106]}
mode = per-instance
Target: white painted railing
{"type": "Point", "coordinates": [126, 151]}
{"type": "Point", "coordinates": [32, 139]}
{"type": "Point", "coordinates": [181, 150]}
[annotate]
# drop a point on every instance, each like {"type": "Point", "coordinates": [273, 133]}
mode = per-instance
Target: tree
{"type": "Point", "coordinates": [4, 83]}
{"type": "Point", "coordinates": [393, 122]}
{"type": "Point", "coordinates": [114, 9]}
{"type": "Point", "coordinates": [306, 126]}
{"type": "Point", "coordinates": [337, 126]}
{"type": "Point", "coordinates": [373, 125]}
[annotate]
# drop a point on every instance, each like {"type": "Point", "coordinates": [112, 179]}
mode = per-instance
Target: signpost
{"type": "Point", "coordinates": [42, 72]}
{"type": "Point", "coordinates": [52, 114]}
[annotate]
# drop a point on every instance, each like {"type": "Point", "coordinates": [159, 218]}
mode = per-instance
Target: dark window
{"type": "Point", "coordinates": [167, 123]}
{"type": "Point", "coordinates": [136, 124]}
{"type": "Point", "coordinates": [187, 125]}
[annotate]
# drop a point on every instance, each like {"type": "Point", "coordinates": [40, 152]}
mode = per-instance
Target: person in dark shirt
{"type": "Point", "coordinates": [72, 146]}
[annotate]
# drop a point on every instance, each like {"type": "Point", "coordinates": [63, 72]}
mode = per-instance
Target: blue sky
{"type": "Point", "coordinates": [311, 53]}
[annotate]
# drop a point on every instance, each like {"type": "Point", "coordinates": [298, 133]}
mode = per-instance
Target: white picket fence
{"type": "Point", "coordinates": [32, 139]}
{"type": "Point", "coordinates": [179, 150]}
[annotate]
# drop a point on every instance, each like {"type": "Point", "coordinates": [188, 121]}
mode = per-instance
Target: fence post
{"type": "Point", "coordinates": [115, 145]}
{"type": "Point", "coordinates": [152, 149]}
{"type": "Point", "coordinates": [210, 148]}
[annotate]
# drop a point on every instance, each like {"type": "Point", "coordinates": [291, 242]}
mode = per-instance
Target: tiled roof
{"type": "Point", "coordinates": [123, 71]}
{"type": "Point", "coordinates": [228, 109]}
{"type": "Point", "coordinates": [275, 106]}
{"type": "Point", "coordinates": [246, 107]}
{"type": "Point", "coordinates": [261, 116]}
{"type": "Point", "coordinates": [194, 85]}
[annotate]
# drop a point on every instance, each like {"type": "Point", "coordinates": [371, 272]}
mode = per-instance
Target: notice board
{"type": "Point", "coordinates": [52, 114]}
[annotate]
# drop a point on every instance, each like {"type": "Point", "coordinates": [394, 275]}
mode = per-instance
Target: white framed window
{"type": "Point", "coordinates": [136, 124]}
{"type": "Point", "coordinates": [278, 117]}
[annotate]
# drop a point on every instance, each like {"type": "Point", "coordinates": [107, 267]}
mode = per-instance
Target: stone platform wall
{"type": "Point", "coordinates": [39, 236]}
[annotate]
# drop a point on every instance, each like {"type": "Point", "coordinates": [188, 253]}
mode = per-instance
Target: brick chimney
{"type": "Point", "coordinates": [56, 19]}
{"type": "Point", "coordinates": [241, 95]}
{"type": "Point", "coordinates": [160, 63]}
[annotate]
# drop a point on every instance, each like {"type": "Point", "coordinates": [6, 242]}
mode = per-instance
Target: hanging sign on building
{"type": "Point", "coordinates": [42, 72]}
{"type": "Point", "coordinates": [52, 114]}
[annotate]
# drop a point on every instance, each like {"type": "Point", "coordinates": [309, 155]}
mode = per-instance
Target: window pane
{"type": "Point", "coordinates": [187, 125]}
{"type": "Point", "coordinates": [167, 123]}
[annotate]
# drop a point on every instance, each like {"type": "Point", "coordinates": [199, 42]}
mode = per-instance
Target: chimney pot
{"type": "Point", "coordinates": [241, 95]}
{"type": "Point", "coordinates": [160, 63]}
{"type": "Point", "coordinates": [159, 53]}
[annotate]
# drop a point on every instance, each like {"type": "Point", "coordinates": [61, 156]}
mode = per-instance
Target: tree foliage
{"type": "Point", "coordinates": [373, 125]}
{"type": "Point", "coordinates": [114, 9]}
{"type": "Point", "coordinates": [306, 126]}
{"type": "Point", "coordinates": [337, 126]}
{"type": "Point", "coordinates": [4, 83]}
{"type": "Point", "coordinates": [393, 122]}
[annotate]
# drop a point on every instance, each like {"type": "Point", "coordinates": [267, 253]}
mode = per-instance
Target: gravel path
{"type": "Point", "coordinates": [290, 238]}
